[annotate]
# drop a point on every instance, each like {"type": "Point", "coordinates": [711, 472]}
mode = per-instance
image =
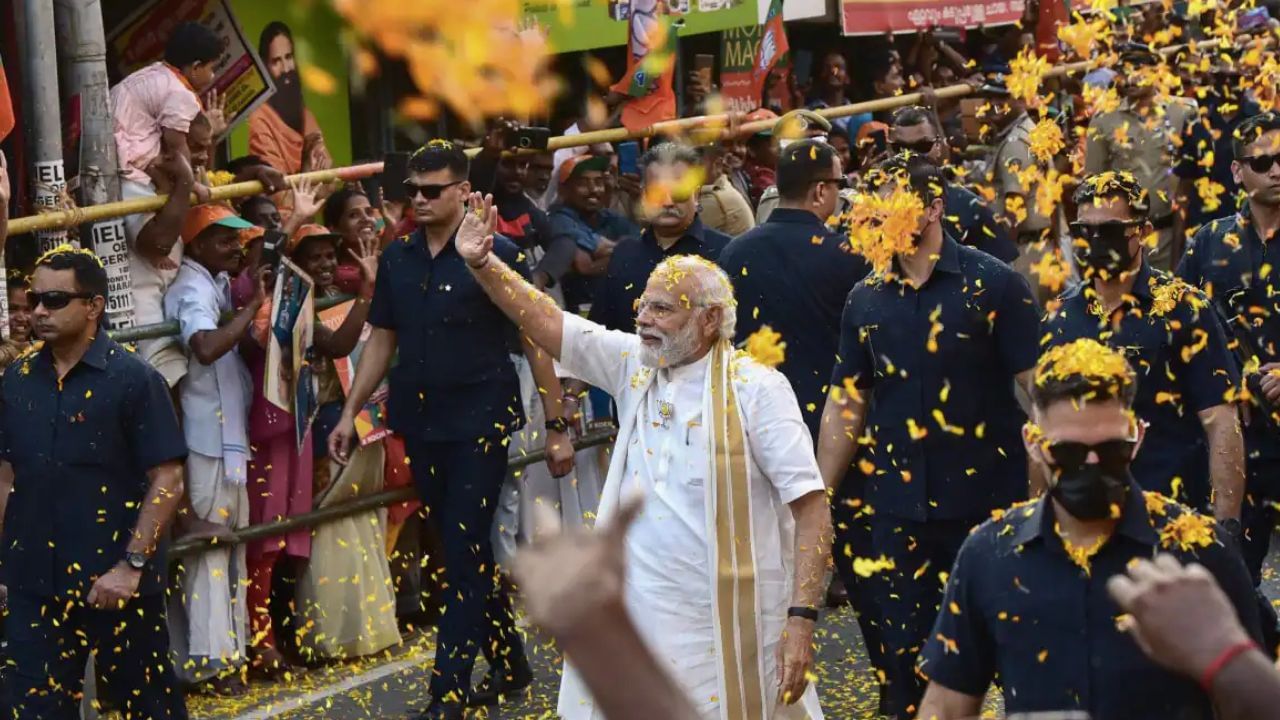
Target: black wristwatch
{"type": "Point", "coordinates": [559, 425]}
{"type": "Point", "coordinates": [808, 613]}
{"type": "Point", "coordinates": [136, 560]}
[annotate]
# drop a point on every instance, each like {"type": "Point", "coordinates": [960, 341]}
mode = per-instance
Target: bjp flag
{"type": "Point", "coordinates": [6, 105]}
{"type": "Point", "coordinates": [773, 44]}
{"type": "Point", "coordinates": [651, 64]}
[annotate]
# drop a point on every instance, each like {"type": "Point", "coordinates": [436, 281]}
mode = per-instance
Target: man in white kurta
{"type": "Point", "coordinates": [663, 456]}
{"type": "Point", "coordinates": [726, 560]}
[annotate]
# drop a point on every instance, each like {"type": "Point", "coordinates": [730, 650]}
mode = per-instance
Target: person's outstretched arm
{"type": "Point", "coordinates": [534, 312]}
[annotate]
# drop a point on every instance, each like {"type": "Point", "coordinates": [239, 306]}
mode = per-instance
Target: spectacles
{"type": "Point", "coordinates": [1071, 456]}
{"type": "Point", "coordinates": [430, 192]}
{"type": "Point", "coordinates": [841, 182]}
{"type": "Point", "coordinates": [55, 299]}
{"type": "Point", "coordinates": [920, 147]}
{"type": "Point", "coordinates": [1262, 163]}
{"type": "Point", "coordinates": [1109, 231]}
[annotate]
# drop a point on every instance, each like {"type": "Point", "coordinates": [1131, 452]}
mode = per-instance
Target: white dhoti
{"type": "Point", "coordinates": [575, 497]}
{"type": "Point", "coordinates": [214, 582]}
{"type": "Point", "coordinates": [719, 449]}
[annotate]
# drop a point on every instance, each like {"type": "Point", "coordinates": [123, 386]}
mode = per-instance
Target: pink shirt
{"type": "Point", "coordinates": [143, 104]}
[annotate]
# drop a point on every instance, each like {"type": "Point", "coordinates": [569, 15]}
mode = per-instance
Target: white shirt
{"type": "Point", "coordinates": [197, 300]}
{"type": "Point", "coordinates": [669, 578]}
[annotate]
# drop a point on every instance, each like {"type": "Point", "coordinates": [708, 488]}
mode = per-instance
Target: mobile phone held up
{"type": "Point", "coordinates": [395, 170]}
{"type": "Point", "coordinates": [629, 158]}
{"type": "Point", "coordinates": [527, 138]}
{"type": "Point", "coordinates": [273, 243]}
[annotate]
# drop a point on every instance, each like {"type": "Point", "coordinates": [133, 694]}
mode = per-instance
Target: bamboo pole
{"type": "Point", "coordinates": [320, 516]}
{"type": "Point", "coordinates": [716, 126]}
{"type": "Point", "coordinates": [78, 216]}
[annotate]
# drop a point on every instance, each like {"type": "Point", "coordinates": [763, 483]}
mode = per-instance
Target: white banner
{"type": "Point", "coordinates": [110, 246]}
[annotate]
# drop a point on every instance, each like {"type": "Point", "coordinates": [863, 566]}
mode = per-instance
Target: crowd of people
{"type": "Point", "coordinates": [990, 371]}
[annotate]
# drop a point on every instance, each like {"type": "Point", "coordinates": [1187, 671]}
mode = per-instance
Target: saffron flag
{"type": "Point", "coordinates": [773, 43]}
{"type": "Point", "coordinates": [6, 105]}
{"type": "Point", "coordinates": [651, 43]}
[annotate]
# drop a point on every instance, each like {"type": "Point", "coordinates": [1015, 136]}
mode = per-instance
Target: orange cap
{"type": "Point", "coordinates": [200, 217]}
{"type": "Point", "coordinates": [583, 163]}
{"type": "Point", "coordinates": [248, 235]}
{"type": "Point", "coordinates": [310, 230]}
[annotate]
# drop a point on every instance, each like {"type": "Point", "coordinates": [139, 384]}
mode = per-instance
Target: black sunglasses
{"type": "Point", "coordinates": [430, 192]}
{"type": "Point", "coordinates": [1111, 230]}
{"type": "Point", "coordinates": [1261, 163]}
{"type": "Point", "coordinates": [55, 299]}
{"type": "Point", "coordinates": [1071, 456]}
{"type": "Point", "coordinates": [920, 147]}
{"type": "Point", "coordinates": [841, 182]}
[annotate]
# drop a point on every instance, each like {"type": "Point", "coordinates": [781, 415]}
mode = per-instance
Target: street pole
{"type": "Point", "coordinates": [44, 115]}
{"type": "Point", "coordinates": [84, 65]}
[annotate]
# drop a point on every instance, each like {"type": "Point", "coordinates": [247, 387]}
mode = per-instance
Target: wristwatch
{"type": "Point", "coordinates": [1233, 528]}
{"type": "Point", "coordinates": [136, 560]}
{"type": "Point", "coordinates": [559, 425]}
{"type": "Point", "coordinates": [808, 613]}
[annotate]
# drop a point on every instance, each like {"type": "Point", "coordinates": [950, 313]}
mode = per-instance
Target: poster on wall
{"type": "Point", "coordinates": [303, 126]}
{"type": "Point", "coordinates": [589, 24]}
{"type": "Point", "coordinates": [875, 17]}
{"type": "Point", "coordinates": [239, 76]}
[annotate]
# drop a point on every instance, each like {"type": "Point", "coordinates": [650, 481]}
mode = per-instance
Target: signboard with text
{"type": "Point", "coordinates": [875, 17]}
{"type": "Point", "coordinates": [588, 24]}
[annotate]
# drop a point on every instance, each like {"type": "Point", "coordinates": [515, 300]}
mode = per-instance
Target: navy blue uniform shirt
{"type": "Point", "coordinates": [634, 260]}
{"type": "Point", "coordinates": [1206, 153]}
{"type": "Point", "coordinates": [793, 274]}
{"type": "Point", "coordinates": [967, 219]}
{"type": "Point", "coordinates": [1228, 260]}
{"type": "Point", "coordinates": [1017, 607]}
{"type": "Point", "coordinates": [936, 367]}
{"type": "Point", "coordinates": [567, 223]}
{"type": "Point", "coordinates": [1175, 343]}
{"type": "Point", "coordinates": [81, 450]}
{"type": "Point", "coordinates": [453, 381]}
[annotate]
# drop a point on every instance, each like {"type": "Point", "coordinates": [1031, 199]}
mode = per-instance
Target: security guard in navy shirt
{"type": "Point", "coordinates": [92, 474]}
{"type": "Point", "coordinates": [931, 344]}
{"type": "Point", "coordinates": [454, 398]}
{"type": "Point", "coordinates": [1187, 379]}
{"type": "Point", "coordinates": [1027, 599]}
{"type": "Point", "coordinates": [1234, 261]}
{"type": "Point", "coordinates": [793, 274]}
{"type": "Point", "coordinates": [965, 217]}
{"type": "Point", "coordinates": [671, 184]}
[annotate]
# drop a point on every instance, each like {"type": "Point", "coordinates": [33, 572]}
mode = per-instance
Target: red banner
{"type": "Point", "coordinates": [875, 17]}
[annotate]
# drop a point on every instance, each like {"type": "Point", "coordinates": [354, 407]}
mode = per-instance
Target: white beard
{"type": "Point", "coordinates": [674, 351]}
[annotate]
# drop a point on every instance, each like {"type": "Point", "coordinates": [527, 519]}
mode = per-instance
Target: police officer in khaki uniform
{"type": "Point", "coordinates": [1143, 137]}
{"type": "Point", "coordinates": [1014, 203]}
{"type": "Point", "coordinates": [792, 127]}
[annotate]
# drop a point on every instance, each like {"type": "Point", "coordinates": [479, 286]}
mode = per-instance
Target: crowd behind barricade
{"type": "Point", "coordinates": [1061, 293]}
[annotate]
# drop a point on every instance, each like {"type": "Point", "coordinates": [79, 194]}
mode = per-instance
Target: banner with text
{"type": "Point", "coordinates": [875, 17]}
{"type": "Point", "coordinates": [588, 24]}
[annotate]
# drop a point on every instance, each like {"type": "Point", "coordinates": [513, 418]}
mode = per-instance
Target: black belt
{"type": "Point", "coordinates": [1163, 223]}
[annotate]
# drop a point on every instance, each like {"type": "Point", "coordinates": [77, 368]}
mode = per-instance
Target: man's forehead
{"type": "Point", "coordinates": [45, 278]}
{"type": "Point", "coordinates": [670, 287]}
{"type": "Point", "coordinates": [1267, 143]}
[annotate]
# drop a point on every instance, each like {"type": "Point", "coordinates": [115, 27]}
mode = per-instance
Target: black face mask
{"type": "Point", "coordinates": [1103, 250]}
{"type": "Point", "coordinates": [1089, 490]}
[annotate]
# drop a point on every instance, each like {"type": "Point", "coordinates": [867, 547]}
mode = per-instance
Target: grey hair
{"type": "Point", "coordinates": [669, 153]}
{"type": "Point", "coordinates": [713, 287]}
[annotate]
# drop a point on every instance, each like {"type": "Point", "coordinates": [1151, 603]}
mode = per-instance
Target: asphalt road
{"type": "Point", "coordinates": [394, 685]}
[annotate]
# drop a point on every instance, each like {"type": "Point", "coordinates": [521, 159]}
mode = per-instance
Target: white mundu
{"type": "Point", "coordinates": [718, 449]}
